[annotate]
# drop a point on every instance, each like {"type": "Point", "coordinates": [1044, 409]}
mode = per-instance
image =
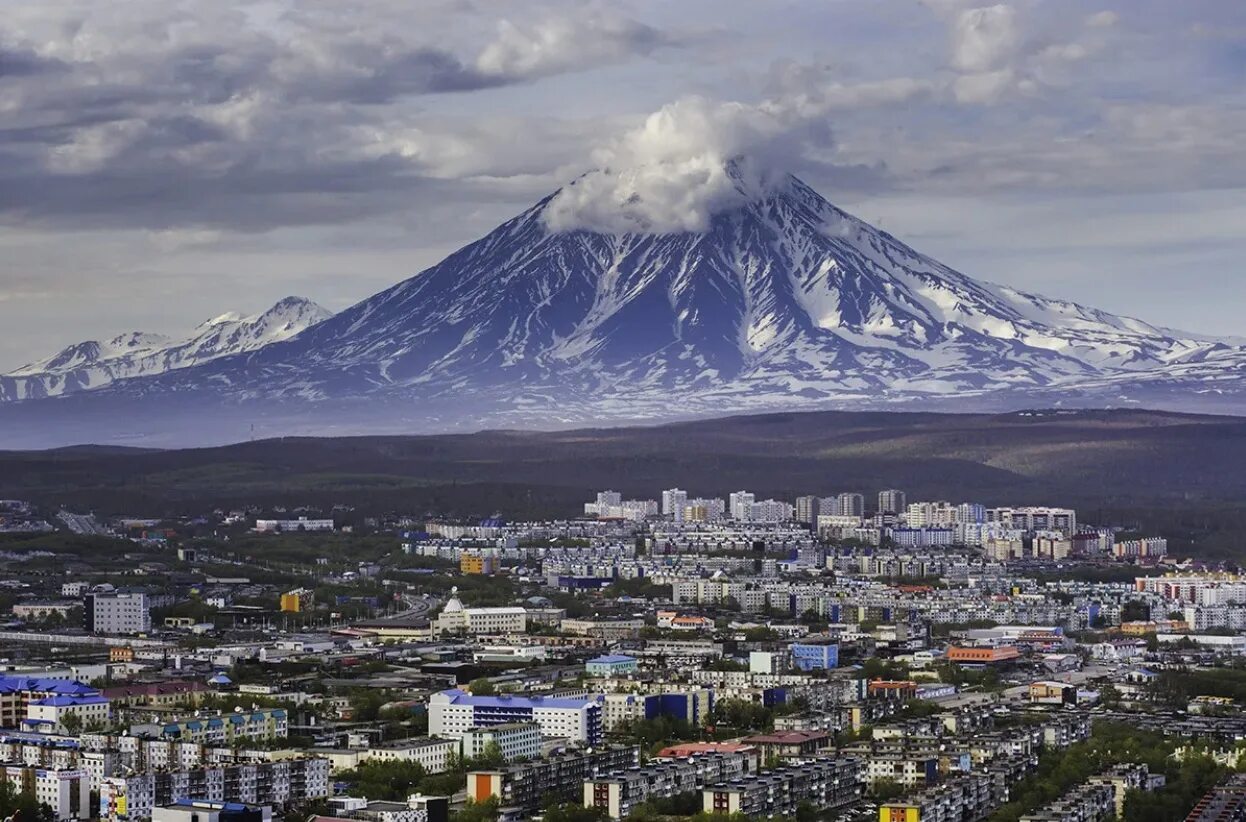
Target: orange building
{"type": "Point", "coordinates": [483, 785]}
{"type": "Point", "coordinates": [991, 655]}
{"type": "Point", "coordinates": [892, 688]}
{"type": "Point", "coordinates": [480, 564]}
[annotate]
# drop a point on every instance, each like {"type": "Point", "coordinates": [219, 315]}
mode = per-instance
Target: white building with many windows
{"type": "Point", "coordinates": [453, 713]}
{"type": "Point", "coordinates": [516, 740]}
{"type": "Point", "coordinates": [115, 612]}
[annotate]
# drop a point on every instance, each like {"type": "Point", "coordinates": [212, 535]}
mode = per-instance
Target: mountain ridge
{"type": "Point", "coordinates": [92, 364]}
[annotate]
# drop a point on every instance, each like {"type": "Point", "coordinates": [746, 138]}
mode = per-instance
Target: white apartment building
{"type": "Point", "coordinates": [675, 504]}
{"type": "Point", "coordinates": [516, 740]}
{"type": "Point", "coordinates": [770, 510]}
{"type": "Point", "coordinates": [850, 504]}
{"type": "Point", "coordinates": [67, 791]}
{"type": "Point", "coordinates": [740, 504]}
{"type": "Point", "coordinates": [117, 613]}
{"type": "Point", "coordinates": [1036, 518]}
{"type": "Point", "coordinates": [705, 510]}
{"type": "Point", "coordinates": [892, 501]}
{"type": "Point", "coordinates": [926, 514]}
{"type": "Point", "coordinates": [807, 510]}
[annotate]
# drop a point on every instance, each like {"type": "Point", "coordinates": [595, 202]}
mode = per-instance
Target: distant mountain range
{"type": "Point", "coordinates": [784, 301]}
{"type": "Point", "coordinates": [93, 364]}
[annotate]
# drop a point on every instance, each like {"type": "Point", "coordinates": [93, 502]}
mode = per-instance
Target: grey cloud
{"type": "Point", "coordinates": [148, 121]}
{"type": "Point", "coordinates": [24, 62]}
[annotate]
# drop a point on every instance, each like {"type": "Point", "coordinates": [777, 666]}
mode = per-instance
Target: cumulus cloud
{"type": "Point", "coordinates": [685, 163]}
{"type": "Point", "coordinates": [251, 117]}
{"type": "Point", "coordinates": [994, 60]}
{"type": "Point", "coordinates": [983, 39]}
{"type": "Point", "coordinates": [1102, 19]}
{"type": "Point", "coordinates": [562, 43]}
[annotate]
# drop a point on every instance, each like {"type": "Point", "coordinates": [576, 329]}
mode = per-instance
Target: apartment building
{"type": "Point", "coordinates": [675, 504]}
{"type": "Point", "coordinates": [516, 740]}
{"type": "Point", "coordinates": [117, 612]}
{"type": "Point", "coordinates": [1036, 518]}
{"type": "Point", "coordinates": [608, 629]}
{"type": "Point", "coordinates": [827, 784]}
{"type": "Point", "coordinates": [806, 510]}
{"type": "Point", "coordinates": [619, 793]}
{"type": "Point", "coordinates": [892, 501]}
{"type": "Point", "coordinates": [561, 777]}
{"type": "Point", "coordinates": [60, 713]}
{"type": "Point", "coordinates": [278, 783]}
{"type": "Point", "coordinates": [1089, 802]}
{"type": "Point", "coordinates": [66, 791]}
{"type": "Point", "coordinates": [965, 797]}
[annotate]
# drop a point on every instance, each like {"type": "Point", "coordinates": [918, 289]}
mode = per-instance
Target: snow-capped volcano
{"type": "Point", "coordinates": [93, 364]}
{"type": "Point", "coordinates": [783, 300]}
{"type": "Point", "coordinates": [782, 296]}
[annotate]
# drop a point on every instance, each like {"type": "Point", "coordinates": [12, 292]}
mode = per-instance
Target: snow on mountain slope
{"type": "Point", "coordinates": [92, 364]}
{"type": "Point", "coordinates": [783, 296]}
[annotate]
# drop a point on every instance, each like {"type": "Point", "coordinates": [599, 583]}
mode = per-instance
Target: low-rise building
{"type": "Point", "coordinates": [261, 723]}
{"type": "Point", "coordinates": [611, 665]}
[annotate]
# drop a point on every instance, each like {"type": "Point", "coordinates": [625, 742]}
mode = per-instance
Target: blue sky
{"type": "Point", "coordinates": [162, 164]}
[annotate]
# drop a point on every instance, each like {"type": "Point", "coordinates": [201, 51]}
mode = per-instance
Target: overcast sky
{"type": "Point", "coordinates": [163, 161]}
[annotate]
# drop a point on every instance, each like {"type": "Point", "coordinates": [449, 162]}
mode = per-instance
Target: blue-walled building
{"type": "Point", "coordinates": [810, 657]}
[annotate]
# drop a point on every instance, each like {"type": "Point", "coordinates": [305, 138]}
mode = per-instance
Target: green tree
{"type": "Point", "coordinates": [72, 723]}
{"type": "Point", "coordinates": [570, 812]}
{"type": "Point", "coordinates": [482, 687]}
{"type": "Point", "coordinates": [485, 811]}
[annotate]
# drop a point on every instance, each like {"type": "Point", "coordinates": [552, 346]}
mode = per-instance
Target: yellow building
{"type": "Point", "coordinates": [293, 601]}
{"type": "Point", "coordinates": [899, 812]}
{"type": "Point", "coordinates": [482, 564]}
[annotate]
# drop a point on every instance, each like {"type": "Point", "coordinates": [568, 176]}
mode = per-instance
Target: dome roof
{"type": "Point", "coordinates": [454, 605]}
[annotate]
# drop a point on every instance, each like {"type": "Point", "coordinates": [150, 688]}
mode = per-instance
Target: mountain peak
{"type": "Point", "coordinates": [660, 198]}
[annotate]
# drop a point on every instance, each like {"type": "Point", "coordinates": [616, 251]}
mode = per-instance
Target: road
{"type": "Point", "coordinates": [82, 523]}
